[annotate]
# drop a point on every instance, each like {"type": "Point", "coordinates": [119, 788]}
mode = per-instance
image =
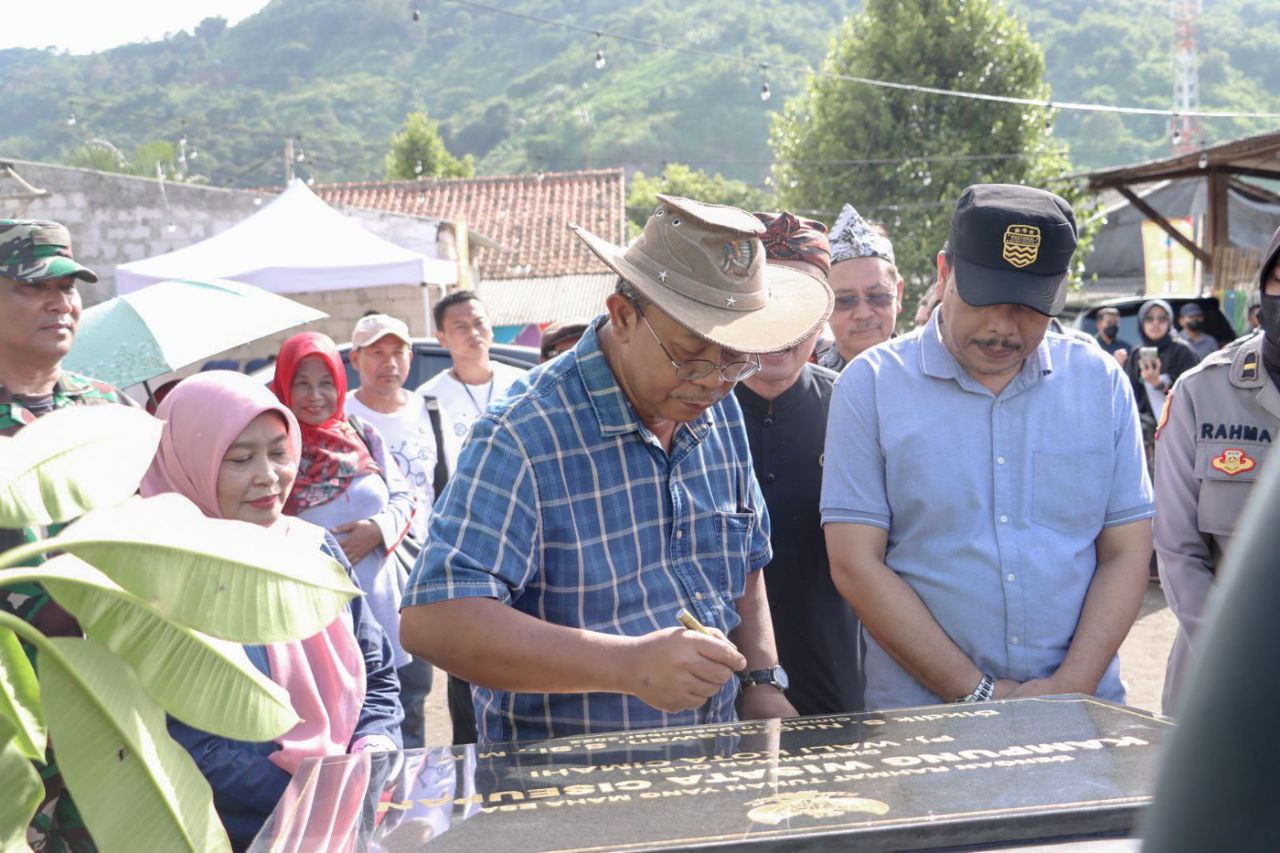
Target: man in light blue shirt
{"type": "Point", "coordinates": [985, 501]}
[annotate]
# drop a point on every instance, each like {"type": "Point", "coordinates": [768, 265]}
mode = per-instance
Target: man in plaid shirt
{"type": "Point", "coordinates": [613, 488]}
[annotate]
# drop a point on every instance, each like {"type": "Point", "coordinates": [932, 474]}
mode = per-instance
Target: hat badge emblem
{"type": "Point", "coordinates": [736, 258]}
{"type": "Point", "coordinates": [1021, 245]}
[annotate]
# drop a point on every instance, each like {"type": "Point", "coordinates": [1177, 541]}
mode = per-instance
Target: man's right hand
{"type": "Point", "coordinates": [676, 669]}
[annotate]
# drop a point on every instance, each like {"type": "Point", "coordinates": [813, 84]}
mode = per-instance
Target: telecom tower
{"type": "Point", "coordinates": [1184, 129]}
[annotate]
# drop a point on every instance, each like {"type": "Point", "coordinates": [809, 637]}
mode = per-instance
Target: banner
{"type": "Point", "coordinates": [1170, 268]}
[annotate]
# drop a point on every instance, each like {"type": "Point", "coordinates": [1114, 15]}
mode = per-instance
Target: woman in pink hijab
{"type": "Point", "coordinates": [231, 448]}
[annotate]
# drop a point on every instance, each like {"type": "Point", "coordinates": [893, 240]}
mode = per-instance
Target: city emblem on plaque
{"type": "Point", "coordinates": [818, 804]}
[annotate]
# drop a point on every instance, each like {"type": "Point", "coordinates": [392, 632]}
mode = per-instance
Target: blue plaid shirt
{"type": "Point", "coordinates": [567, 508]}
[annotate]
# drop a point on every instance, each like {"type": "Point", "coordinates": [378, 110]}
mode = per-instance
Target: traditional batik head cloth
{"type": "Point", "coordinates": [854, 237]}
{"type": "Point", "coordinates": [790, 238]}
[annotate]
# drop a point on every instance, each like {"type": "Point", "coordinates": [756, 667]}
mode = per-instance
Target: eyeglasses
{"type": "Point", "coordinates": [849, 301]}
{"type": "Point", "coordinates": [1156, 318]}
{"type": "Point", "coordinates": [693, 369]}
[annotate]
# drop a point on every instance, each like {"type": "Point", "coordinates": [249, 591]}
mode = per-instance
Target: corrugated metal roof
{"type": "Point", "coordinates": [519, 301]}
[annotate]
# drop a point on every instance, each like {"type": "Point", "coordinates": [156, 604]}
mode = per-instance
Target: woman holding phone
{"type": "Point", "coordinates": [1160, 359]}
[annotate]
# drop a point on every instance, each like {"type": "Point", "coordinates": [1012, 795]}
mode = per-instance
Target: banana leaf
{"type": "Point", "coordinates": [73, 460]}
{"type": "Point", "coordinates": [136, 788]}
{"type": "Point", "coordinates": [23, 791]}
{"type": "Point", "coordinates": [230, 579]}
{"type": "Point", "coordinates": [205, 682]}
{"type": "Point", "coordinates": [20, 698]}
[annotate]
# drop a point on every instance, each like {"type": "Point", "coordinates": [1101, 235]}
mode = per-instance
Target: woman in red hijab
{"type": "Point", "coordinates": [347, 481]}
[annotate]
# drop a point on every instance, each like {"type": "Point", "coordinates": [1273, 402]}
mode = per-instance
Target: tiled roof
{"type": "Point", "coordinates": [520, 301]}
{"type": "Point", "coordinates": [528, 214]}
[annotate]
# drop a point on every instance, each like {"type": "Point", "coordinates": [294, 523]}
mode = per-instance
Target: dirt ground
{"type": "Point", "coordinates": [1142, 660]}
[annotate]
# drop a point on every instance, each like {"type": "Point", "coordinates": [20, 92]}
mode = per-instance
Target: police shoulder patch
{"type": "Point", "coordinates": [1233, 461]}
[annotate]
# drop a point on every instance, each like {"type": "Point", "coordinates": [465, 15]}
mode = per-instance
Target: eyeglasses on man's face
{"type": "Point", "coordinates": [693, 369]}
{"type": "Point", "coordinates": [849, 301]}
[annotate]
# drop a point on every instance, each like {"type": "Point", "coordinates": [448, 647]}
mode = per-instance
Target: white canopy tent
{"type": "Point", "coordinates": [294, 244]}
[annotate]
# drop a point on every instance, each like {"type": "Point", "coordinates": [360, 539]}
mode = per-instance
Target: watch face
{"type": "Point", "coordinates": [774, 675]}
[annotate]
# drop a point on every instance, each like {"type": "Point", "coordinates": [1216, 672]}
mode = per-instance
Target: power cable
{"type": "Point", "coordinates": [866, 81]}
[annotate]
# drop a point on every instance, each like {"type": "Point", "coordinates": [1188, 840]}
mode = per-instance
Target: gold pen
{"type": "Point", "coordinates": [689, 621]}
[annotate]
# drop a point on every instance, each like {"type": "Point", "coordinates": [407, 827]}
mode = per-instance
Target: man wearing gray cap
{"type": "Point", "coordinates": [612, 490]}
{"type": "Point", "coordinates": [998, 547]}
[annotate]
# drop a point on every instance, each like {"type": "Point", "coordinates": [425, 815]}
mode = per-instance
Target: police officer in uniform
{"type": "Point", "coordinates": [1218, 424]}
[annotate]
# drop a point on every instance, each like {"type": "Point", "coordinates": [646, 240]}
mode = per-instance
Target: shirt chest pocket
{"type": "Point", "coordinates": [1226, 470]}
{"type": "Point", "coordinates": [1069, 490]}
{"type": "Point", "coordinates": [733, 540]}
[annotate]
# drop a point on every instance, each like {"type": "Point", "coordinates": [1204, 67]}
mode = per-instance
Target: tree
{"type": "Point", "coordinates": [904, 157]}
{"type": "Point", "coordinates": [159, 591]}
{"type": "Point", "coordinates": [679, 179]}
{"type": "Point", "coordinates": [417, 151]}
{"type": "Point", "coordinates": [101, 155]}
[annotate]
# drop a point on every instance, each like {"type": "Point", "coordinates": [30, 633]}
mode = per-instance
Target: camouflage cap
{"type": "Point", "coordinates": [37, 250]}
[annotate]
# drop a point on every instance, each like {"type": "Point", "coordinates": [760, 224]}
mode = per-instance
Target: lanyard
{"type": "Point", "coordinates": [488, 396]}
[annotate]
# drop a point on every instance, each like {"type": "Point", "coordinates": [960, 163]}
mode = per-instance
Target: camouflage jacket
{"type": "Point", "coordinates": [28, 600]}
{"type": "Point", "coordinates": [57, 825]}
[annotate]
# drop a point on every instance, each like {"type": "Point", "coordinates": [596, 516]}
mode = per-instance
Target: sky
{"type": "Point", "coordinates": [87, 26]}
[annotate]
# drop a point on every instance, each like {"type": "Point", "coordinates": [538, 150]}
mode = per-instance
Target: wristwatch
{"type": "Point", "coordinates": [775, 675]}
{"type": "Point", "coordinates": [985, 690]}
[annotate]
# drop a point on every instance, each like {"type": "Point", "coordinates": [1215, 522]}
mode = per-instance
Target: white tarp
{"type": "Point", "coordinates": [294, 244]}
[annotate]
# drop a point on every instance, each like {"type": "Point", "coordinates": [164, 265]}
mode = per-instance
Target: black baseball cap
{"type": "Point", "coordinates": [1012, 244]}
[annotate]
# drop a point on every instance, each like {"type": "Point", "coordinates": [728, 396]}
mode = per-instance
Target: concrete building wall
{"type": "Point", "coordinates": [115, 219]}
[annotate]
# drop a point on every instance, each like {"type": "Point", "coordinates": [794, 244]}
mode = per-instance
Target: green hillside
{"type": "Point", "coordinates": [521, 96]}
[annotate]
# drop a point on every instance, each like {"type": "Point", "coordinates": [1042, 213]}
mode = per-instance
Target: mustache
{"type": "Point", "coordinates": [998, 343]}
{"type": "Point", "coordinates": [698, 399]}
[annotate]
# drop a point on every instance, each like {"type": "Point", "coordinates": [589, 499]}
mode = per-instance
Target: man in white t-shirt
{"type": "Point", "coordinates": [474, 381]}
{"type": "Point", "coordinates": [381, 351]}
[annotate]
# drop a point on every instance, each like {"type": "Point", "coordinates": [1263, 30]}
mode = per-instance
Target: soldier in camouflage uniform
{"type": "Point", "coordinates": [1219, 422]}
{"type": "Point", "coordinates": [39, 315]}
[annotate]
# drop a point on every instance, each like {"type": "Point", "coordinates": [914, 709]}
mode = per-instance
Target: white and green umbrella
{"type": "Point", "coordinates": [172, 324]}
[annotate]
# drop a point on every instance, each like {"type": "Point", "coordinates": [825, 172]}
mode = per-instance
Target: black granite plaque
{"type": "Point", "coordinates": [923, 778]}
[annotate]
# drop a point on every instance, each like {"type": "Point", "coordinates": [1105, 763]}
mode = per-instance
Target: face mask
{"type": "Point", "coordinates": [1270, 318]}
{"type": "Point", "coordinates": [1110, 329]}
{"type": "Point", "coordinates": [1193, 325]}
